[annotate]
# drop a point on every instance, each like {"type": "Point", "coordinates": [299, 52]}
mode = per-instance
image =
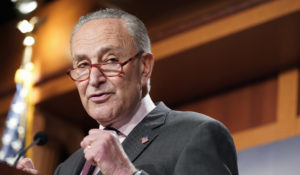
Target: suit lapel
{"type": "Point", "coordinates": [78, 163]}
{"type": "Point", "coordinates": [147, 130]}
{"type": "Point", "coordinates": [78, 169]}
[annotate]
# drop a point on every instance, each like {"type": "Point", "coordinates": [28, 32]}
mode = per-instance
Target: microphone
{"type": "Point", "coordinates": [40, 138]}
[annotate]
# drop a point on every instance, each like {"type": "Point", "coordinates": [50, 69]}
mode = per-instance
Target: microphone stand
{"type": "Point", "coordinates": [23, 152]}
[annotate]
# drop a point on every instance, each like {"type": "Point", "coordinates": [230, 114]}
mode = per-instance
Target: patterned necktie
{"type": "Point", "coordinates": [88, 168]}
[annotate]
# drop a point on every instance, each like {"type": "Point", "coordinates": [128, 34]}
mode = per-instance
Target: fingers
{"type": "Point", "coordinates": [97, 143]}
{"type": "Point", "coordinates": [103, 149]}
{"type": "Point", "coordinates": [89, 154]}
{"type": "Point", "coordinates": [97, 134]}
{"type": "Point", "coordinates": [32, 171]}
{"type": "Point", "coordinates": [86, 142]}
{"type": "Point", "coordinates": [27, 165]}
{"type": "Point", "coordinates": [92, 131]}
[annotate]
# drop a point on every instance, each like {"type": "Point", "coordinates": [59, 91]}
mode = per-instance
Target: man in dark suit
{"type": "Point", "coordinates": [112, 63]}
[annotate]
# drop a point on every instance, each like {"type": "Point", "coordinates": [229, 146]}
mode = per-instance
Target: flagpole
{"type": "Point", "coordinates": [25, 76]}
{"type": "Point", "coordinates": [20, 118]}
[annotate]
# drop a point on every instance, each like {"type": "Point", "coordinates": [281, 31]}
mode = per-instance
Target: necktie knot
{"type": "Point", "coordinates": [112, 129]}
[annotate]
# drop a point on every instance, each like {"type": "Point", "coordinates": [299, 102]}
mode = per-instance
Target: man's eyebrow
{"type": "Point", "coordinates": [79, 57]}
{"type": "Point", "coordinates": [100, 53]}
{"type": "Point", "coordinates": [108, 50]}
{"type": "Point", "coordinates": [104, 50]}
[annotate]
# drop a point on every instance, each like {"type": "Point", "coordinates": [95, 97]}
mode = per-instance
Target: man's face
{"type": "Point", "coordinates": [107, 99]}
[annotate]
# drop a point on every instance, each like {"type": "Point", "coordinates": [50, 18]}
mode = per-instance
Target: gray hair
{"type": "Point", "coordinates": [135, 26]}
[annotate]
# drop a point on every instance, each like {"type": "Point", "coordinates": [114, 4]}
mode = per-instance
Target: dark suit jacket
{"type": "Point", "coordinates": [179, 143]}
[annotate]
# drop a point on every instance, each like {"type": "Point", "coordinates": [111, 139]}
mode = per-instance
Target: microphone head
{"type": "Point", "coordinates": [40, 138]}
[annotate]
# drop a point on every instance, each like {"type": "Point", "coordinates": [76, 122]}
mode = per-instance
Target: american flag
{"type": "Point", "coordinates": [144, 139]}
{"type": "Point", "coordinates": [14, 134]}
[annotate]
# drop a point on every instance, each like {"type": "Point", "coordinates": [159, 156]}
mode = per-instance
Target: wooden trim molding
{"type": "Point", "coordinates": [53, 88]}
{"type": "Point", "coordinates": [287, 103]}
{"type": "Point", "coordinates": [254, 137]}
{"type": "Point", "coordinates": [197, 20]}
{"type": "Point", "coordinates": [287, 123]}
{"type": "Point", "coordinates": [298, 126]}
{"type": "Point", "coordinates": [229, 25]}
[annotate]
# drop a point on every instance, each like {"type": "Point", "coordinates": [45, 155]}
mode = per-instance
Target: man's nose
{"type": "Point", "coordinates": [96, 76]}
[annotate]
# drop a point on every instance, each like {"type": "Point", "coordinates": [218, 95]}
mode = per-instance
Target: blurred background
{"type": "Point", "coordinates": [235, 60]}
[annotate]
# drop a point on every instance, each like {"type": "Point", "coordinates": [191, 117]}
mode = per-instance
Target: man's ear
{"type": "Point", "coordinates": [146, 66]}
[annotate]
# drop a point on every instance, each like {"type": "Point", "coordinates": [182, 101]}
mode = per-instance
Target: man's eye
{"type": "Point", "coordinates": [112, 60]}
{"type": "Point", "coordinates": [82, 65]}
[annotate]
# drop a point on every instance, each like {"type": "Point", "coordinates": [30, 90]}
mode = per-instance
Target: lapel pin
{"type": "Point", "coordinates": [144, 139]}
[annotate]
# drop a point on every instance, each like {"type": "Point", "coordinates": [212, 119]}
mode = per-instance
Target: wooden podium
{"type": "Point", "coordinates": [9, 170]}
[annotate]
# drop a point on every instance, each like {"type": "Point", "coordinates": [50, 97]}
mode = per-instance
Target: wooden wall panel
{"type": "Point", "coordinates": [286, 124]}
{"type": "Point", "coordinates": [259, 113]}
{"type": "Point", "coordinates": [46, 158]}
{"type": "Point", "coordinates": [232, 24]}
{"type": "Point", "coordinates": [298, 126]}
{"type": "Point", "coordinates": [287, 103]}
{"type": "Point", "coordinates": [63, 139]}
{"type": "Point", "coordinates": [241, 108]}
{"type": "Point", "coordinates": [5, 104]}
{"type": "Point", "coordinates": [298, 97]}
{"type": "Point", "coordinates": [2, 124]}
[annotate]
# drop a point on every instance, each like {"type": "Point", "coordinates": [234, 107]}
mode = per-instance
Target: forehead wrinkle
{"type": "Point", "coordinates": [88, 36]}
{"type": "Point", "coordinates": [91, 34]}
{"type": "Point", "coordinates": [89, 42]}
{"type": "Point", "coordinates": [100, 53]}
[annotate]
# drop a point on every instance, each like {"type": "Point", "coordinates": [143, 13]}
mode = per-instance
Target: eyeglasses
{"type": "Point", "coordinates": [108, 69]}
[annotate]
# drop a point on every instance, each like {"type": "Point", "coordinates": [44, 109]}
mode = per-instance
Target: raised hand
{"type": "Point", "coordinates": [103, 149]}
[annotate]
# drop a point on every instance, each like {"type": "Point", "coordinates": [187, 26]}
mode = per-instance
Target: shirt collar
{"type": "Point", "coordinates": [144, 107]}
